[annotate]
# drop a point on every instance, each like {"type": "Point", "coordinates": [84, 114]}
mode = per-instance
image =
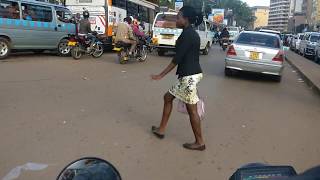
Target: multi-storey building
{"type": "Point", "coordinates": [262, 15]}
{"type": "Point", "coordinates": [315, 14]}
{"type": "Point", "coordinates": [279, 14]}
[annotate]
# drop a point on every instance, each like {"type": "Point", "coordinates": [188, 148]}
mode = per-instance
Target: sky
{"type": "Point", "coordinates": [257, 2]}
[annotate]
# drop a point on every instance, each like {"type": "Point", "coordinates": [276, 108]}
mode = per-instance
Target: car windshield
{"type": "Point", "coordinates": [166, 21]}
{"type": "Point", "coordinates": [258, 40]}
{"type": "Point", "coordinates": [314, 38]}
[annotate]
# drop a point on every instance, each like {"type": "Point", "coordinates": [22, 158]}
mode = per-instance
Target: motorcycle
{"type": "Point", "coordinates": [225, 43]}
{"type": "Point", "coordinates": [139, 54]}
{"type": "Point", "coordinates": [89, 44]}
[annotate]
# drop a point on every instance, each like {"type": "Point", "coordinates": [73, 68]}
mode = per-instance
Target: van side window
{"type": "Point", "coordinates": [63, 15]}
{"type": "Point", "coordinates": [202, 27]}
{"type": "Point", "coordinates": [9, 9]}
{"type": "Point", "coordinates": [32, 12]}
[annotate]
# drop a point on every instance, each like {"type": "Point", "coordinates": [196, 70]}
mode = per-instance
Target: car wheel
{"type": "Point", "coordinates": [63, 48]}
{"type": "Point", "coordinates": [228, 72]}
{"type": "Point", "coordinates": [316, 58]}
{"type": "Point", "coordinates": [206, 50]}
{"type": "Point", "coordinates": [161, 53]}
{"type": "Point", "coordinates": [277, 78]}
{"type": "Point", "coordinates": [5, 48]}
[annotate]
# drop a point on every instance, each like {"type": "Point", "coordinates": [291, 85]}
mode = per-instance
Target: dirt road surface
{"type": "Point", "coordinates": [54, 110]}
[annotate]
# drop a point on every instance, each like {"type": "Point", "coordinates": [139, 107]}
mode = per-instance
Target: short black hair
{"type": "Point", "coordinates": [191, 14]}
{"type": "Point", "coordinates": [128, 20]}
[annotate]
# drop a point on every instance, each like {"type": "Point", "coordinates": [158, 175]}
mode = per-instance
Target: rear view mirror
{"type": "Point", "coordinates": [89, 168]}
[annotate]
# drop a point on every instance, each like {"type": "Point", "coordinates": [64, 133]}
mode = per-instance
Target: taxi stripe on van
{"type": "Point", "coordinates": [14, 23]}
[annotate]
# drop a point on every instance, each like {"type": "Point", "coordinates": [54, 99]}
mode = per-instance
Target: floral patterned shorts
{"type": "Point", "coordinates": [185, 89]}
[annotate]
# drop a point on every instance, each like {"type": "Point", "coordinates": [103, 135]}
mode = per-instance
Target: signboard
{"type": "Point", "coordinates": [217, 16]}
{"type": "Point", "coordinates": [178, 5]}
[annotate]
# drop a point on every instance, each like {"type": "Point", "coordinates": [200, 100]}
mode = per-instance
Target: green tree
{"type": "Point", "coordinates": [168, 3]}
{"type": "Point", "coordinates": [241, 11]}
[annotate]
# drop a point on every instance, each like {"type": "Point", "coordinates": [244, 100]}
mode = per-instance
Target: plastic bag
{"type": "Point", "coordinates": [182, 108]}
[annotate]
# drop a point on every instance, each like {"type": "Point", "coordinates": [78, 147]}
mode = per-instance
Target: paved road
{"type": "Point", "coordinates": [54, 110]}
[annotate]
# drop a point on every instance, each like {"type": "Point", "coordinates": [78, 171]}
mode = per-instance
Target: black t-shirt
{"type": "Point", "coordinates": [85, 26]}
{"type": "Point", "coordinates": [187, 53]}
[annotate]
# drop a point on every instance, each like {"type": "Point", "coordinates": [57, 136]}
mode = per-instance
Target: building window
{"type": "Point", "coordinates": [132, 9]}
{"type": "Point", "coordinates": [36, 13]}
{"type": "Point", "coordinates": [143, 14]}
{"type": "Point", "coordinates": [119, 3]}
{"type": "Point", "coordinates": [9, 9]}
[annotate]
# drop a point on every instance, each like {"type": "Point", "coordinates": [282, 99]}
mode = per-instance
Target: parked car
{"type": "Point", "coordinates": [317, 53]}
{"type": "Point", "coordinates": [296, 42]}
{"type": "Point", "coordinates": [166, 33]}
{"type": "Point", "coordinates": [308, 44]}
{"type": "Point", "coordinates": [256, 52]}
{"type": "Point", "coordinates": [292, 42]}
{"type": "Point", "coordinates": [34, 25]}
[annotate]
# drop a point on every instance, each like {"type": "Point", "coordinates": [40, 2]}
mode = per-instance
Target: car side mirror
{"type": "Point", "coordinates": [89, 168]}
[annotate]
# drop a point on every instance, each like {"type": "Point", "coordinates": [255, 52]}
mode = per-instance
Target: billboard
{"type": "Point", "coordinates": [217, 16]}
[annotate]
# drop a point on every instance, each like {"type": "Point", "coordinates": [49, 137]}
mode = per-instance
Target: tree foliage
{"type": "Point", "coordinates": [242, 12]}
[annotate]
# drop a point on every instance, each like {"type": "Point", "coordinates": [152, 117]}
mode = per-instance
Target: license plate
{"type": "Point", "coordinates": [117, 49]}
{"type": "Point", "coordinates": [254, 56]}
{"type": "Point", "coordinates": [167, 36]}
{"type": "Point", "coordinates": [70, 43]}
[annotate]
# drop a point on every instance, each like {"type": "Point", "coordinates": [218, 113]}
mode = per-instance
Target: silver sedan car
{"type": "Point", "coordinates": [256, 52]}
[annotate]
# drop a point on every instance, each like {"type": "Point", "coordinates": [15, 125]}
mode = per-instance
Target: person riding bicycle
{"type": "Point", "coordinates": [124, 34]}
{"type": "Point", "coordinates": [85, 28]}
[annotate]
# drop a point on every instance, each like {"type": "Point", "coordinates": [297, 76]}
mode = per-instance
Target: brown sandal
{"type": "Point", "coordinates": [156, 133]}
{"type": "Point", "coordinates": [194, 147]}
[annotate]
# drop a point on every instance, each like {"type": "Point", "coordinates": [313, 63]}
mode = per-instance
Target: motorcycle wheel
{"type": "Point", "coordinates": [143, 55]}
{"type": "Point", "coordinates": [98, 51]}
{"type": "Point", "coordinates": [76, 53]}
{"type": "Point", "coordinates": [122, 56]}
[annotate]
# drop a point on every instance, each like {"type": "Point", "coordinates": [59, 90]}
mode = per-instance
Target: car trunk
{"type": "Point", "coordinates": [255, 53]}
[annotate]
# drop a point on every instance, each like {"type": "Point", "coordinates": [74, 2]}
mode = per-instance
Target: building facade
{"type": "Point", "coordinates": [315, 14]}
{"type": "Point", "coordinates": [262, 16]}
{"type": "Point", "coordinates": [279, 14]}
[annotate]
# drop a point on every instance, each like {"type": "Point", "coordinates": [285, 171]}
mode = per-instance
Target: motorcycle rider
{"type": "Point", "coordinates": [224, 35]}
{"type": "Point", "coordinates": [85, 28]}
{"type": "Point", "coordinates": [124, 34]}
{"type": "Point", "coordinates": [139, 34]}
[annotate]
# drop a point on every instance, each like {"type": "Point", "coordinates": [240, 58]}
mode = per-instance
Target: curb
{"type": "Point", "coordinates": [313, 86]}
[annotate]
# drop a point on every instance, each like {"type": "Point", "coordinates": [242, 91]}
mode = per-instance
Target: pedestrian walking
{"type": "Point", "coordinates": [189, 75]}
